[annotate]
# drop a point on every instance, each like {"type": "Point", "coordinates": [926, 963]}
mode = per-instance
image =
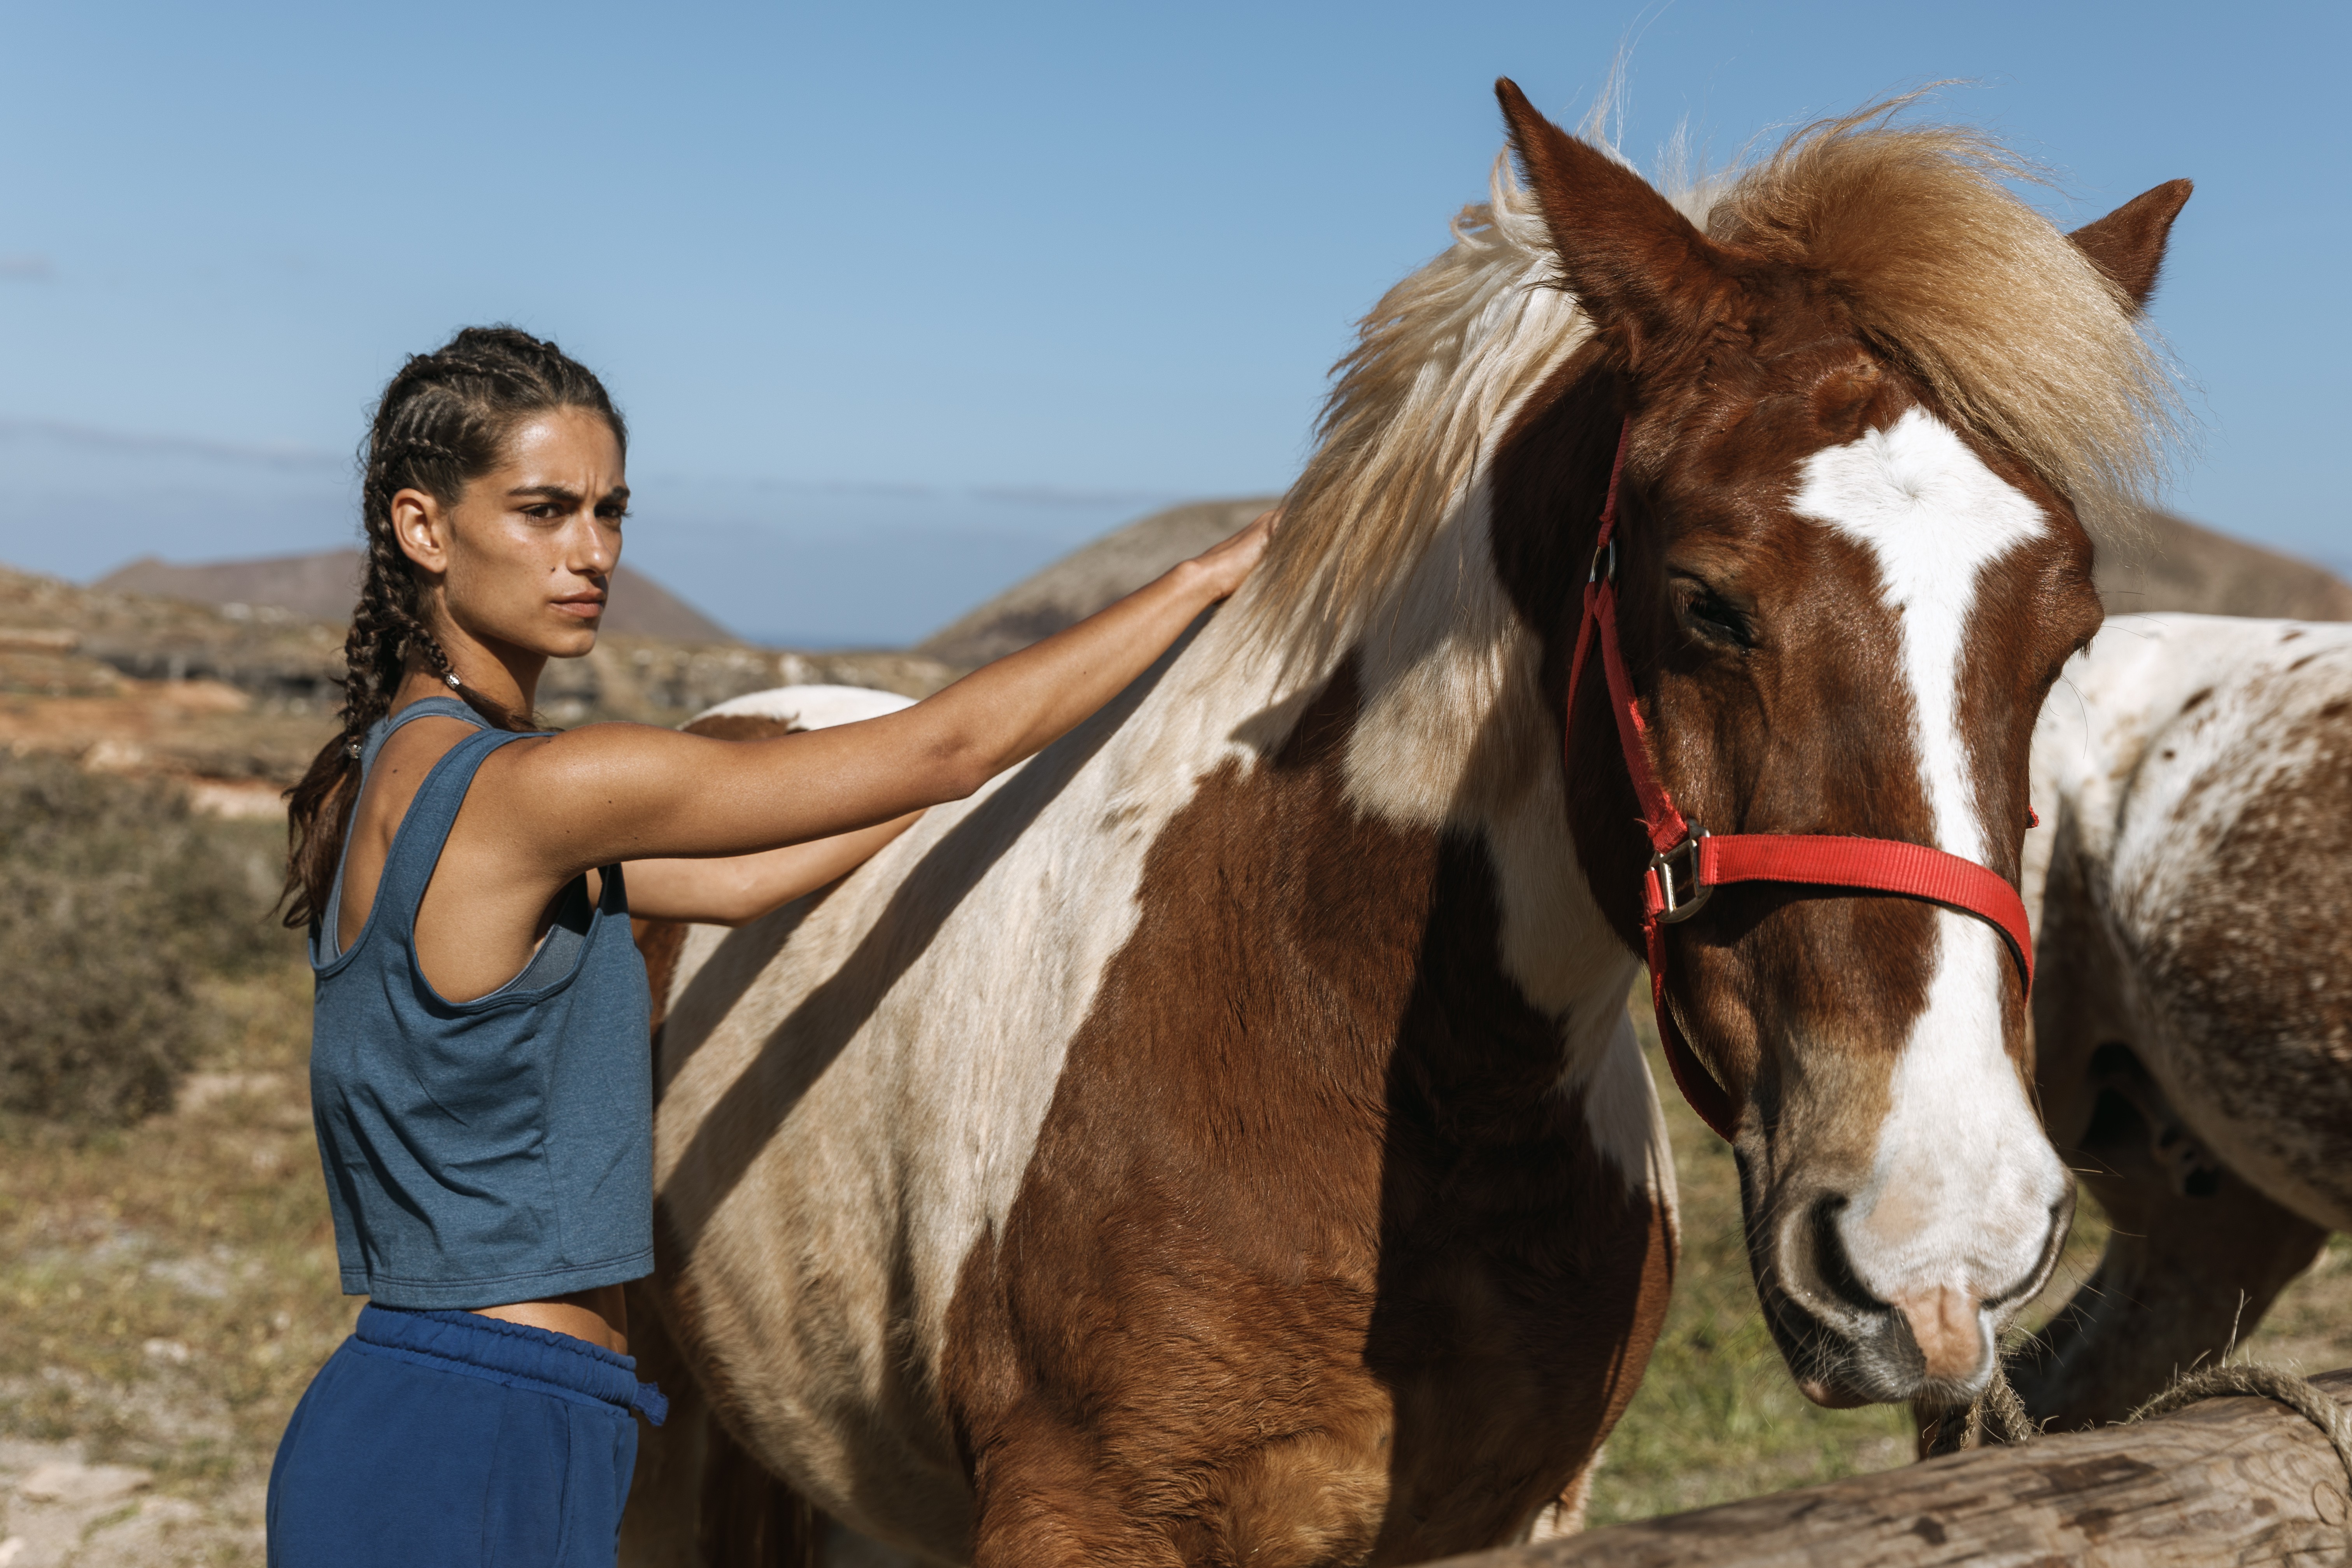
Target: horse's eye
{"type": "Point", "coordinates": [1709, 614]}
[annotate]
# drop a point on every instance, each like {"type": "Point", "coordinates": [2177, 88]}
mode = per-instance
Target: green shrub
{"type": "Point", "coordinates": [119, 899]}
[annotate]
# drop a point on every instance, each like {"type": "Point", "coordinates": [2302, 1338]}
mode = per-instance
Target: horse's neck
{"type": "Point", "coordinates": [1431, 723]}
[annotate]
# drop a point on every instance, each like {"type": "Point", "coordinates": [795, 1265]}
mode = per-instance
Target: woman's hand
{"type": "Point", "coordinates": [1227, 565]}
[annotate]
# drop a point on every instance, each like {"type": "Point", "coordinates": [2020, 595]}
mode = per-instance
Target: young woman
{"type": "Point", "coordinates": [478, 1064]}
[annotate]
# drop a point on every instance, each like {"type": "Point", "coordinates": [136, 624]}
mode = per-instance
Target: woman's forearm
{"type": "Point", "coordinates": [734, 890]}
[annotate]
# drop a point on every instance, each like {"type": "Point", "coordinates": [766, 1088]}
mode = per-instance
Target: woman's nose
{"type": "Point", "coordinates": [594, 549]}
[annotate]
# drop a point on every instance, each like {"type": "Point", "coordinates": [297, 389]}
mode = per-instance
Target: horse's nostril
{"type": "Point", "coordinates": [1832, 1267]}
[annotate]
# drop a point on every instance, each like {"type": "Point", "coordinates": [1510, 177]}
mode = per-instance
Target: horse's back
{"type": "Point", "coordinates": [2227, 887]}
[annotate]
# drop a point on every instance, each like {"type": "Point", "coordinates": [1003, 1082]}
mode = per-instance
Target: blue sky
{"type": "Point", "coordinates": [902, 300]}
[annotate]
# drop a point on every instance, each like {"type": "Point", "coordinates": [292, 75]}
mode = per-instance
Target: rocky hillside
{"type": "Point", "coordinates": [1089, 577]}
{"type": "Point", "coordinates": [323, 587]}
{"type": "Point", "coordinates": [2168, 563]}
{"type": "Point", "coordinates": [2177, 565]}
{"type": "Point", "coordinates": [237, 696]}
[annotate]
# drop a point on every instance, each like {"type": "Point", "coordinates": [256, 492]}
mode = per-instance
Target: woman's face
{"type": "Point", "coordinates": [525, 558]}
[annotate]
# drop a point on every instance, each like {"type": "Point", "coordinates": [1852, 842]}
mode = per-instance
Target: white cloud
{"type": "Point", "coordinates": [275, 454]}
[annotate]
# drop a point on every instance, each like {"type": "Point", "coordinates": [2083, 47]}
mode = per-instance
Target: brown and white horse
{"type": "Point", "coordinates": [2193, 1012]}
{"type": "Point", "coordinates": [1223, 1140]}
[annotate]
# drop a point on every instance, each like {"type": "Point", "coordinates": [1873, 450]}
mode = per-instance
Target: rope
{"type": "Point", "coordinates": [1999, 1408]}
{"type": "Point", "coordinates": [2300, 1395]}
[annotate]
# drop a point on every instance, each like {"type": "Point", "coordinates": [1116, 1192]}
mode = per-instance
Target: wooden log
{"type": "Point", "coordinates": [2237, 1480]}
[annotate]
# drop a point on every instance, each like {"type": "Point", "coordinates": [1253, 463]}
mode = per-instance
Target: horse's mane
{"type": "Point", "coordinates": [1439, 367]}
{"type": "Point", "coordinates": [1980, 297]}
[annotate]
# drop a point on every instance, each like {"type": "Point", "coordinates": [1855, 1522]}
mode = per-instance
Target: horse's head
{"type": "Point", "coordinates": [1858, 410]}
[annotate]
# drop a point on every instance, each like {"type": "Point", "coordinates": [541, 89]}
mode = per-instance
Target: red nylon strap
{"type": "Point", "coordinates": [1864, 864]}
{"type": "Point", "coordinates": [1877, 865]}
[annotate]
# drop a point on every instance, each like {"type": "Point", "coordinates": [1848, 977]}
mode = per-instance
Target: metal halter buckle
{"type": "Point", "coordinates": [1609, 550]}
{"type": "Point", "coordinates": [1697, 892]}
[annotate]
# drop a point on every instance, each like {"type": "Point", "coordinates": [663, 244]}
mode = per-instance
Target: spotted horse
{"type": "Point", "coordinates": [1223, 1140]}
{"type": "Point", "coordinates": [2193, 915]}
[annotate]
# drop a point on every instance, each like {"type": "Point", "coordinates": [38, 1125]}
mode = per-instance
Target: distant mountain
{"type": "Point", "coordinates": [2170, 564]}
{"type": "Point", "coordinates": [1086, 580]}
{"type": "Point", "coordinates": [323, 587]}
{"type": "Point", "coordinates": [2178, 566]}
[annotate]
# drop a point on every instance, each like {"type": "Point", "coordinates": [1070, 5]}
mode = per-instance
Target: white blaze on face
{"type": "Point", "coordinates": [1958, 1205]}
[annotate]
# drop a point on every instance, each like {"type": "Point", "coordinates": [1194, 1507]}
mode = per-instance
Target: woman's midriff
{"type": "Point", "coordinates": [599, 1316]}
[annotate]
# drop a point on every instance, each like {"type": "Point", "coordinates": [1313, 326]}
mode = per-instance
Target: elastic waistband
{"type": "Point", "coordinates": [492, 1347]}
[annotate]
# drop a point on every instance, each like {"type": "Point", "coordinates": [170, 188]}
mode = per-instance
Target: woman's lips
{"type": "Point", "coordinates": [579, 609]}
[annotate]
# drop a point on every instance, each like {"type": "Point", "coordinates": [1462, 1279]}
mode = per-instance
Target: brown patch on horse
{"type": "Point", "coordinates": [2234, 968]}
{"type": "Point", "coordinates": [1374, 1301]}
{"type": "Point", "coordinates": [743, 727]}
{"type": "Point", "coordinates": [660, 943]}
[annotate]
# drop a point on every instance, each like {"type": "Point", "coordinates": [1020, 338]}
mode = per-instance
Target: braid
{"type": "Point", "coordinates": [443, 421]}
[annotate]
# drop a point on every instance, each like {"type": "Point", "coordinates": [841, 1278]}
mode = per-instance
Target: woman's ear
{"type": "Point", "coordinates": [422, 528]}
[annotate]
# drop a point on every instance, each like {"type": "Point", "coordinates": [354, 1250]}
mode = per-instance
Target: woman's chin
{"type": "Point", "coordinates": [570, 637]}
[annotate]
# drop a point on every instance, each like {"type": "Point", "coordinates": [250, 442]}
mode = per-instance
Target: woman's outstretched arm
{"type": "Point", "coordinates": [629, 793]}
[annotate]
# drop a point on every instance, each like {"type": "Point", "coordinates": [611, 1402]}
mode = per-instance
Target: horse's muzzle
{"type": "Point", "coordinates": [1847, 1346]}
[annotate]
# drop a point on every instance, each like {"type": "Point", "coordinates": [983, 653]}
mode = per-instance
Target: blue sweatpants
{"type": "Point", "coordinates": [449, 1438]}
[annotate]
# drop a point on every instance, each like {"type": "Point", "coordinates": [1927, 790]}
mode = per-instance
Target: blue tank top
{"type": "Point", "coordinates": [492, 1151]}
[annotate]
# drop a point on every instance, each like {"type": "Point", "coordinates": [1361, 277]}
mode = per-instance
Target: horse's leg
{"type": "Point", "coordinates": [1565, 1515]}
{"type": "Point", "coordinates": [1039, 1504]}
{"type": "Point", "coordinates": [2195, 1256]}
{"type": "Point", "coordinates": [699, 1499]}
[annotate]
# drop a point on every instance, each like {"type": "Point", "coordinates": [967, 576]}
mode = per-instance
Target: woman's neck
{"type": "Point", "coordinates": [509, 677]}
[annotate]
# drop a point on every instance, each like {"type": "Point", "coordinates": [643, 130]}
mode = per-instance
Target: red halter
{"type": "Point", "coordinates": [1687, 863]}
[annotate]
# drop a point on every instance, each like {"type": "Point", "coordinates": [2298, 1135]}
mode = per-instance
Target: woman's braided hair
{"type": "Point", "coordinates": [444, 421]}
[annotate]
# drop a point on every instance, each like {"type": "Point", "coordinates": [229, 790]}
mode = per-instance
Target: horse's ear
{"type": "Point", "coordinates": [2128, 244]}
{"type": "Point", "coordinates": [1629, 256]}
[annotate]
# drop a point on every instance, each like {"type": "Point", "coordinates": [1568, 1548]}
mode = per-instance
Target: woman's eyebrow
{"type": "Point", "coordinates": [565, 496]}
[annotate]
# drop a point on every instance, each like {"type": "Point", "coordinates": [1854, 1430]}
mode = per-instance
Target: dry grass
{"type": "Point", "coordinates": [122, 901]}
{"type": "Point", "coordinates": [167, 1290]}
